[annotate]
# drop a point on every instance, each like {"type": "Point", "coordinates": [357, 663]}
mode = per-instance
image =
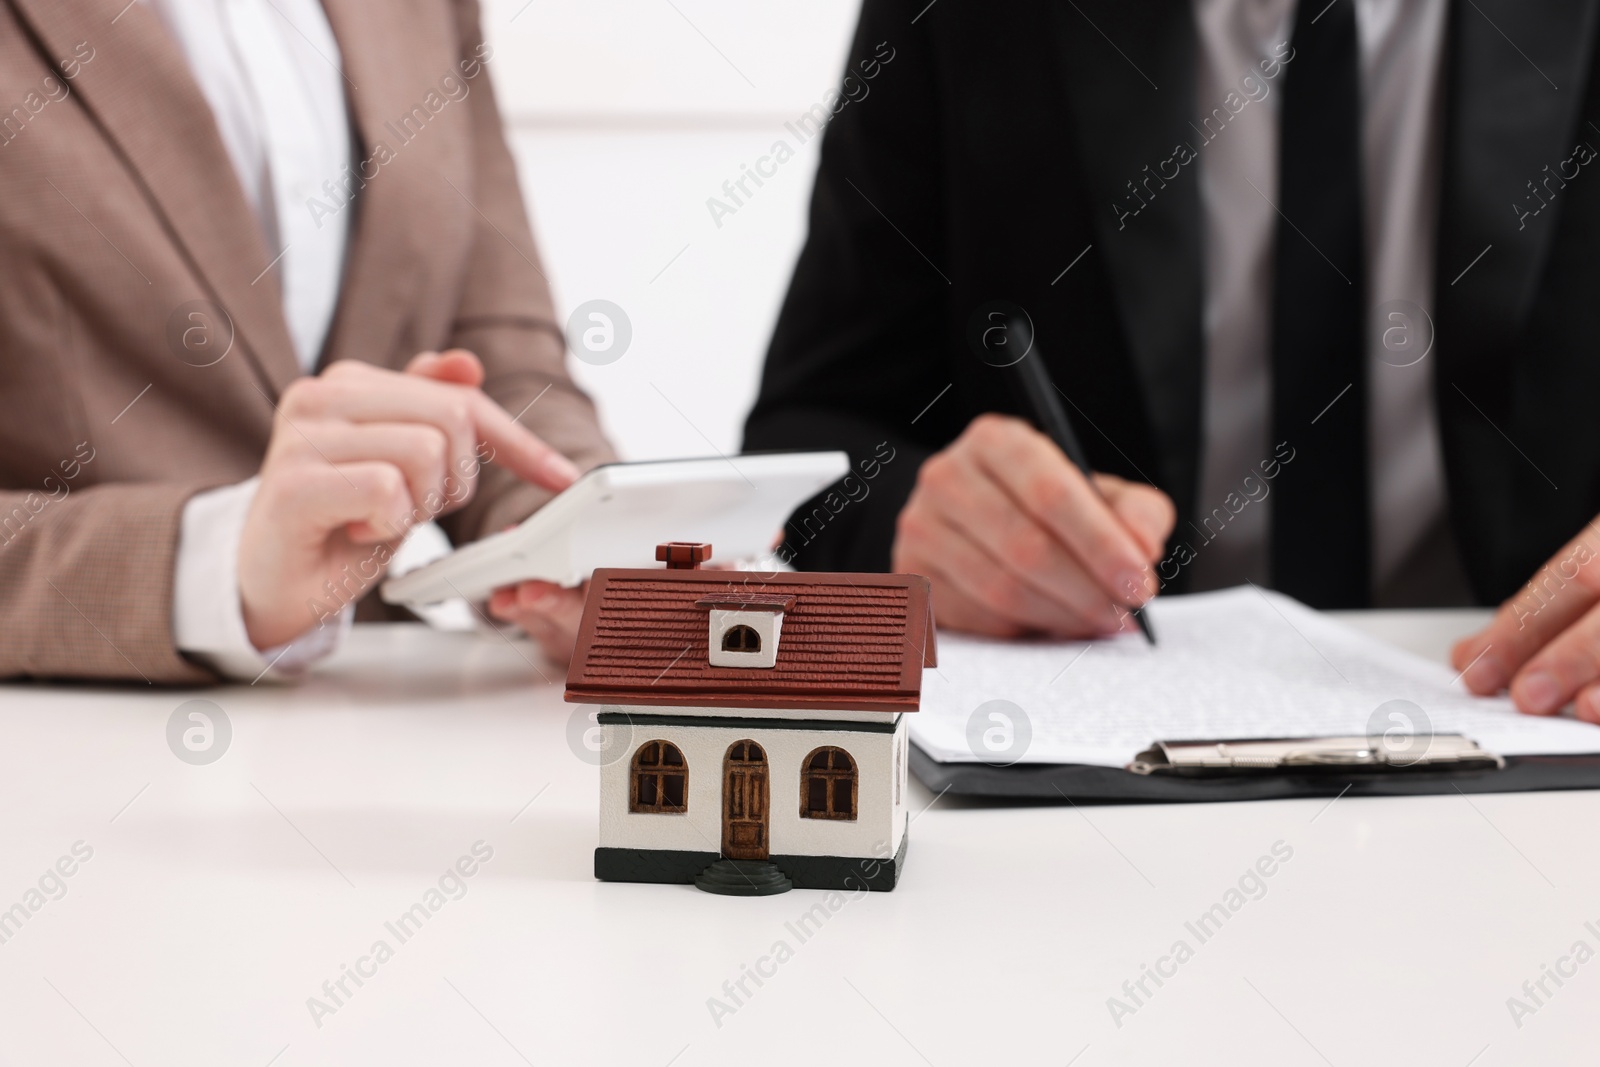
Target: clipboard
{"type": "Point", "coordinates": [1264, 769]}
{"type": "Point", "coordinates": [1250, 695]}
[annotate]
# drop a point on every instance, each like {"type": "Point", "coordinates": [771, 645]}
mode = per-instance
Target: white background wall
{"type": "Point", "coordinates": [625, 116]}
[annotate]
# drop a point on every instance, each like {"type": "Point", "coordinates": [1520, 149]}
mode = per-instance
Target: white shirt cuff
{"type": "Point", "coordinates": [207, 620]}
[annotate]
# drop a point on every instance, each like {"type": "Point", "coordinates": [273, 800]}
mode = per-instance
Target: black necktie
{"type": "Point", "coordinates": [1321, 550]}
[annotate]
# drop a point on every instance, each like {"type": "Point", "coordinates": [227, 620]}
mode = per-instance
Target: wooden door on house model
{"type": "Point", "coordinates": [744, 802]}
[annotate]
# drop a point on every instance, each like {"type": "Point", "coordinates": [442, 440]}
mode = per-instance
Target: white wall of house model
{"type": "Point", "coordinates": [876, 831]}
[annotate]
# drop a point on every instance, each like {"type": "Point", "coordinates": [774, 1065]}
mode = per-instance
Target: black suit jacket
{"type": "Point", "coordinates": [986, 156]}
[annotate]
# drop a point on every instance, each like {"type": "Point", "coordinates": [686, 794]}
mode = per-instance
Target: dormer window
{"type": "Point", "coordinates": [741, 638]}
{"type": "Point", "coordinates": [744, 629]}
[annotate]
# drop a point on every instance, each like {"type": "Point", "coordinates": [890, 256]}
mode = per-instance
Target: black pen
{"type": "Point", "coordinates": [1039, 393]}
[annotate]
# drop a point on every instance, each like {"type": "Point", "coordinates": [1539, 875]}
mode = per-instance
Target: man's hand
{"type": "Point", "coordinates": [1544, 643]}
{"type": "Point", "coordinates": [1016, 540]}
{"type": "Point", "coordinates": [358, 456]}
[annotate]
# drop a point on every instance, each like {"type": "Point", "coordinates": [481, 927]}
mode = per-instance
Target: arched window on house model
{"type": "Point", "coordinates": [828, 785]}
{"type": "Point", "coordinates": [741, 639]}
{"type": "Point", "coordinates": [660, 779]}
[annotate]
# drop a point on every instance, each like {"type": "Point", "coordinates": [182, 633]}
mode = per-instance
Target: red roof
{"type": "Point", "coordinates": [849, 642]}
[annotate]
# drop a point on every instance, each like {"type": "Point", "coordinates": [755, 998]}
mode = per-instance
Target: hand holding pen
{"type": "Point", "coordinates": [1019, 540]}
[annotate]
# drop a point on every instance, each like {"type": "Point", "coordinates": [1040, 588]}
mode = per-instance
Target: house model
{"type": "Point", "coordinates": [753, 727]}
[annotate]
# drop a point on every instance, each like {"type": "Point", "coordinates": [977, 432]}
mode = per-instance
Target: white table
{"type": "Point", "coordinates": [219, 898]}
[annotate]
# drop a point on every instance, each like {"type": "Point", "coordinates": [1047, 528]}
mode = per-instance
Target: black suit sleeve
{"type": "Point", "coordinates": [859, 350]}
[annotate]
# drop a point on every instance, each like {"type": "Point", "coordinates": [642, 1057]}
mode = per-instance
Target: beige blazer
{"type": "Point", "coordinates": [130, 260]}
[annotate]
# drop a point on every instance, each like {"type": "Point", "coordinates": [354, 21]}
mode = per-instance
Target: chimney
{"type": "Point", "coordinates": [683, 555]}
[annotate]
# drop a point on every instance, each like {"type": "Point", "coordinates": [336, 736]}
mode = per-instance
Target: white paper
{"type": "Point", "coordinates": [1239, 663]}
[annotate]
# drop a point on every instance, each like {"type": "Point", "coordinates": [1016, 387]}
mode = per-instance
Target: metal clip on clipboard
{"type": "Point", "coordinates": [1195, 759]}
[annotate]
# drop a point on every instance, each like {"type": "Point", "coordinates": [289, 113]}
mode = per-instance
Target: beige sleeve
{"type": "Point", "coordinates": [86, 584]}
